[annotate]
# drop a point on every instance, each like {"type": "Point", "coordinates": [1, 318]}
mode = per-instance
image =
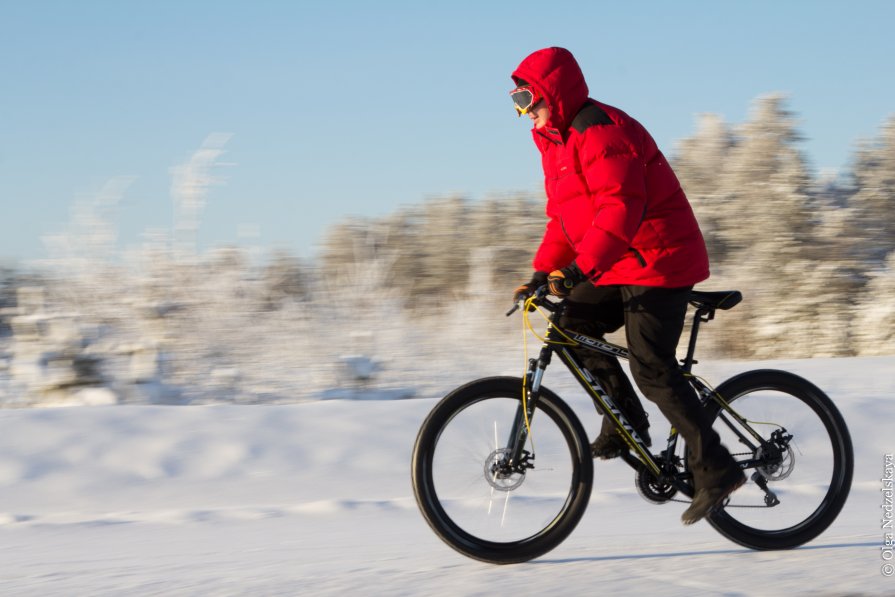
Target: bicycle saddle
{"type": "Point", "coordinates": [720, 299]}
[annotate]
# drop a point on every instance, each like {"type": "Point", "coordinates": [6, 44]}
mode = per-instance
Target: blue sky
{"type": "Point", "coordinates": [355, 108]}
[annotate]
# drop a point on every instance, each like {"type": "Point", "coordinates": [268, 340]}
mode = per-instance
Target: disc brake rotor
{"type": "Point", "coordinates": [499, 474]}
{"type": "Point", "coordinates": [780, 469]}
{"type": "Point", "coordinates": [780, 458]}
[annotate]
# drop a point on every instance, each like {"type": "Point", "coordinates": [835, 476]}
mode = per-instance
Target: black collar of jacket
{"type": "Point", "coordinates": [589, 115]}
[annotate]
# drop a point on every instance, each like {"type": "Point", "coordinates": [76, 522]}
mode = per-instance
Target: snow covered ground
{"type": "Point", "coordinates": [315, 499]}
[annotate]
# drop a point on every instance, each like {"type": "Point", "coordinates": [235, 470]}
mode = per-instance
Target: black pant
{"type": "Point", "coordinates": [653, 320]}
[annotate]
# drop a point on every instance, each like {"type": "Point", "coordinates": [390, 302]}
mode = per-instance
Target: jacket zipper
{"type": "Point", "coordinates": [562, 225]}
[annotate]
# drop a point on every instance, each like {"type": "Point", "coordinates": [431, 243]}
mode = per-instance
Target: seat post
{"type": "Point", "coordinates": [700, 315]}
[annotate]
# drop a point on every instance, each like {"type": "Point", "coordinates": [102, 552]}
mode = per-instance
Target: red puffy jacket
{"type": "Point", "coordinates": [614, 204]}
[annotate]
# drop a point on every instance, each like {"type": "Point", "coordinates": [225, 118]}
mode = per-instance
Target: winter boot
{"type": "Point", "coordinates": [708, 499]}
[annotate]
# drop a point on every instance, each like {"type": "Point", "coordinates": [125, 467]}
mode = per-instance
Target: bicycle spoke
{"type": "Point", "coordinates": [506, 504]}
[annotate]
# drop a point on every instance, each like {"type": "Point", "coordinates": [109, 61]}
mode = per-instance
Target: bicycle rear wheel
{"type": "Point", "coordinates": [806, 461]}
{"type": "Point", "coordinates": [481, 510]}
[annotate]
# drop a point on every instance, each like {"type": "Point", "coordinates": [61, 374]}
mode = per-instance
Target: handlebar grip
{"type": "Point", "coordinates": [539, 294]}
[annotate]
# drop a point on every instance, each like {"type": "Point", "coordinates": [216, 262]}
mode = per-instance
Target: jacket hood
{"type": "Point", "coordinates": [556, 75]}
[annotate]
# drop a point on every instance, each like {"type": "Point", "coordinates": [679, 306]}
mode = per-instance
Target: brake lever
{"type": "Point", "coordinates": [538, 294]}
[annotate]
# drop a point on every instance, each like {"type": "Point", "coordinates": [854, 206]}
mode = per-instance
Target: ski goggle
{"type": "Point", "coordinates": [524, 99]}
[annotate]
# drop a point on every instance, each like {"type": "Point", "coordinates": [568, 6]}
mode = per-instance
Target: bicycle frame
{"type": "Point", "coordinates": [559, 341]}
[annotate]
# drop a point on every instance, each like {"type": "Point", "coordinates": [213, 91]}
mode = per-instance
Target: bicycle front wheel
{"type": "Point", "coordinates": [472, 501]}
{"type": "Point", "coordinates": [805, 460]}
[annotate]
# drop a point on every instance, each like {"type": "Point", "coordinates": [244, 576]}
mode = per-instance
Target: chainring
{"type": "Point", "coordinates": [651, 489]}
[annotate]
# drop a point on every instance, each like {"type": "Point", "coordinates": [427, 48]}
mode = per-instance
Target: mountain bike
{"type": "Point", "coordinates": [502, 469]}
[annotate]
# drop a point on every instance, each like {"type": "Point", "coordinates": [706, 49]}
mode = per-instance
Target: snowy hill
{"type": "Point", "coordinates": [315, 499]}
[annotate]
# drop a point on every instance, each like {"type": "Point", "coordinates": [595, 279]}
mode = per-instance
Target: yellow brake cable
{"type": "Point", "coordinates": [527, 326]}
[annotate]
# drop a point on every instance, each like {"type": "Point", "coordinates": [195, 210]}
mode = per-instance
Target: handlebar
{"type": "Point", "coordinates": [540, 299]}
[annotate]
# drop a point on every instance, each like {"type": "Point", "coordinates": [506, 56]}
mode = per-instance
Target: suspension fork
{"type": "Point", "coordinates": [526, 409]}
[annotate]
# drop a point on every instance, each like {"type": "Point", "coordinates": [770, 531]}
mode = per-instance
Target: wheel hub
{"type": "Point", "coordinates": [500, 475]}
{"type": "Point", "coordinates": [777, 458]}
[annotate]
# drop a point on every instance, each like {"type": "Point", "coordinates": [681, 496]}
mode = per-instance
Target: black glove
{"type": "Point", "coordinates": [562, 281]}
{"type": "Point", "coordinates": [538, 279]}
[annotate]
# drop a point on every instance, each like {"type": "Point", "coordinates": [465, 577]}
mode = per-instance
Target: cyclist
{"type": "Point", "coordinates": [623, 247]}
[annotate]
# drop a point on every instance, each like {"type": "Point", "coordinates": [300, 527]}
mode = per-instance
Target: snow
{"type": "Point", "coordinates": [314, 498]}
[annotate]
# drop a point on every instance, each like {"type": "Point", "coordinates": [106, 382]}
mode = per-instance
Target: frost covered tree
{"type": "Point", "coordinates": [875, 324]}
{"type": "Point", "coordinates": [341, 246]}
{"type": "Point", "coordinates": [867, 235]}
{"type": "Point", "coordinates": [505, 230]}
{"type": "Point", "coordinates": [284, 278]}
{"type": "Point", "coordinates": [766, 218]}
{"type": "Point", "coordinates": [699, 162]}
{"type": "Point", "coordinates": [431, 248]}
{"type": "Point", "coordinates": [190, 183]}
{"type": "Point", "coordinates": [868, 225]}
{"type": "Point", "coordinates": [764, 207]}
{"type": "Point", "coordinates": [387, 249]}
{"type": "Point", "coordinates": [858, 234]}
{"type": "Point", "coordinates": [442, 248]}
